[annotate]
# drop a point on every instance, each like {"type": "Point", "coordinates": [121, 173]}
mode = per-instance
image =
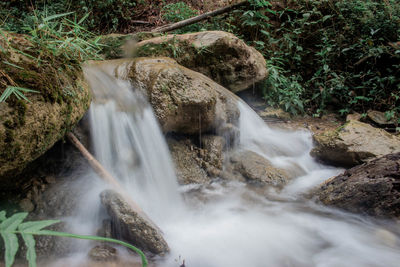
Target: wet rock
{"type": "Point", "coordinates": [29, 129]}
{"type": "Point", "coordinates": [106, 229]}
{"type": "Point", "coordinates": [52, 245]}
{"type": "Point", "coordinates": [372, 188]}
{"type": "Point", "coordinates": [214, 146]}
{"type": "Point", "coordinates": [354, 143]}
{"type": "Point", "coordinates": [256, 169]}
{"type": "Point", "coordinates": [184, 101]}
{"type": "Point", "coordinates": [103, 253]}
{"type": "Point", "coordinates": [130, 226]}
{"type": "Point", "coordinates": [219, 55]}
{"type": "Point", "coordinates": [379, 118]}
{"type": "Point", "coordinates": [187, 162]}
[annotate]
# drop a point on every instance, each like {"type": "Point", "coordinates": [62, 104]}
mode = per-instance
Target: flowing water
{"type": "Point", "coordinates": [226, 223]}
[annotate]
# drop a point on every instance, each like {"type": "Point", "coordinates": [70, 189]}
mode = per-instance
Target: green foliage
{"type": "Point", "coordinates": [63, 37]}
{"type": "Point", "coordinates": [102, 16]}
{"type": "Point", "coordinates": [17, 91]}
{"type": "Point", "coordinates": [325, 54]}
{"type": "Point", "coordinates": [176, 12]}
{"type": "Point", "coordinates": [13, 226]}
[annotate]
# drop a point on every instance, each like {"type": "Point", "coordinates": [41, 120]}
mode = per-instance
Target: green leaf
{"type": "Point", "coordinates": [11, 246]}
{"type": "Point", "coordinates": [32, 227]}
{"type": "Point", "coordinates": [30, 245]}
{"type": "Point", "coordinates": [13, 65]}
{"type": "Point", "coordinates": [57, 16]}
{"type": "Point", "coordinates": [2, 215]}
{"type": "Point", "coordinates": [10, 224]}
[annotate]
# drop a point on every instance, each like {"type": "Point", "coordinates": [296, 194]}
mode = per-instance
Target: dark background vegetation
{"type": "Point", "coordinates": [326, 55]}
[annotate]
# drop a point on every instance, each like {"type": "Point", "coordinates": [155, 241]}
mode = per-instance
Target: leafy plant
{"type": "Point", "coordinates": [64, 37]}
{"type": "Point", "coordinates": [344, 54]}
{"type": "Point", "coordinates": [175, 12]}
{"type": "Point", "coordinates": [13, 226]}
{"type": "Point", "coordinates": [102, 16]}
{"type": "Point", "coordinates": [17, 91]}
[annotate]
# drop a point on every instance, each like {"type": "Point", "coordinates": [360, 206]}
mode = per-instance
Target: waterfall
{"type": "Point", "coordinates": [128, 141]}
{"type": "Point", "coordinates": [226, 223]}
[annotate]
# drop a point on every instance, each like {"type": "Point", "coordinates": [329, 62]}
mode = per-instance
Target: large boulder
{"type": "Point", "coordinates": [29, 128]}
{"type": "Point", "coordinates": [354, 143]}
{"type": "Point", "coordinates": [219, 55]}
{"type": "Point", "coordinates": [372, 188]}
{"type": "Point", "coordinates": [183, 100]}
{"type": "Point", "coordinates": [131, 226]}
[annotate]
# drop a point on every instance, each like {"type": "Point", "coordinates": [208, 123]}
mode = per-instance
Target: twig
{"type": "Point", "coordinates": [186, 22]}
{"type": "Point", "coordinates": [106, 176]}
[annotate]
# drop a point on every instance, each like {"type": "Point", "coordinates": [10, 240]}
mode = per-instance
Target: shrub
{"type": "Point", "coordinates": [342, 55]}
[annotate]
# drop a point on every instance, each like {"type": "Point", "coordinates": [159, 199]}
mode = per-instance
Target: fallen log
{"type": "Point", "coordinates": [107, 177]}
{"type": "Point", "coordinates": [186, 22]}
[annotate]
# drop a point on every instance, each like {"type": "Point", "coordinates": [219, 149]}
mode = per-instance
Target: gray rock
{"type": "Point", "coordinates": [184, 101]}
{"type": "Point", "coordinates": [379, 118]}
{"type": "Point", "coordinates": [354, 143]}
{"type": "Point", "coordinates": [213, 146]}
{"type": "Point", "coordinates": [131, 226]}
{"type": "Point", "coordinates": [372, 188]}
{"type": "Point", "coordinates": [187, 162]}
{"type": "Point", "coordinates": [256, 169]}
{"type": "Point", "coordinates": [103, 253]}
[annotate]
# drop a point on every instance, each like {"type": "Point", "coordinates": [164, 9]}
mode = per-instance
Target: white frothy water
{"type": "Point", "coordinates": [228, 224]}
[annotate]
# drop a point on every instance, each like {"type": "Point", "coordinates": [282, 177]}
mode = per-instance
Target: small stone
{"type": "Point", "coordinates": [103, 253]}
{"type": "Point", "coordinates": [353, 117]}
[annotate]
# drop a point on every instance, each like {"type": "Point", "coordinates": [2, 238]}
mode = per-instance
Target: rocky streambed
{"type": "Point", "coordinates": [240, 181]}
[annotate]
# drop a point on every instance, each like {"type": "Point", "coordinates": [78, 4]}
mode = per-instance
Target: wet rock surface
{"type": "Point", "coordinates": [372, 188]}
{"type": "Point", "coordinates": [130, 226]}
{"type": "Point", "coordinates": [103, 253]}
{"type": "Point", "coordinates": [255, 169]}
{"type": "Point", "coordinates": [187, 162]}
{"type": "Point", "coordinates": [219, 55]}
{"type": "Point", "coordinates": [184, 101]}
{"type": "Point", "coordinates": [354, 143]}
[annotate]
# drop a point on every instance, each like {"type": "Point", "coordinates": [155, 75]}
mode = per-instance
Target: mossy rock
{"type": "Point", "coordinates": [29, 128]}
{"type": "Point", "coordinates": [219, 55]}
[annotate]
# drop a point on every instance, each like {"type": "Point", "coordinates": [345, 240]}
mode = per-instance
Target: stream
{"type": "Point", "coordinates": [225, 223]}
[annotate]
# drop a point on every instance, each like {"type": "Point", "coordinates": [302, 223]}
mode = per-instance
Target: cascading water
{"type": "Point", "coordinates": [229, 225]}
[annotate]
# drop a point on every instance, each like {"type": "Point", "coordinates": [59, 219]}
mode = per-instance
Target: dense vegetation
{"type": "Point", "coordinates": [323, 55]}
